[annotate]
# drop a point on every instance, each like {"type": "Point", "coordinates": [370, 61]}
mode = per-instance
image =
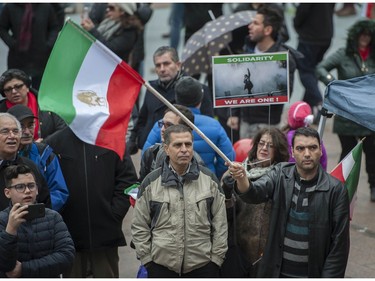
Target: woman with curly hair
{"type": "Point", "coordinates": [357, 58]}
{"type": "Point", "coordinates": [248, 223]}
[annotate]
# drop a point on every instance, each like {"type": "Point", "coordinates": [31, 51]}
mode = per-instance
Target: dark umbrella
{"type": "Point", "coordinates": [210, 40]}
{"type": "Point", "coordinates": [359, 107]}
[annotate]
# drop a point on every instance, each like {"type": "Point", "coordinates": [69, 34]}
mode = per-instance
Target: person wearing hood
{"type": "Point", "coordinates": [357, 58]}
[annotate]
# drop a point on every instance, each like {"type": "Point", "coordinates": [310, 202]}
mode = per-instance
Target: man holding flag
{"type": "Point", "coordinates": [94, 91]}
{"type": "Point", "coordinates": [309, 226]}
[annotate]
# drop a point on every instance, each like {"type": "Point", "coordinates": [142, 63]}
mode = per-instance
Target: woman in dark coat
{"type": "Point", "coordinates": [357, 58]}
{"type": "Point", "coordinates": [116, 31]}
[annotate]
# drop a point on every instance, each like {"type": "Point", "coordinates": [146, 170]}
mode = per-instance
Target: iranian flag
{"type": "Point", "coordinates": [90, 87]}
{"type": "Point", "coordinates": [348, 170]}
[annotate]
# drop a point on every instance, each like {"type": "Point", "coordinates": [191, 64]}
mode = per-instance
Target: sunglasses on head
{"type": "Point", "coordinates": [161, 123]}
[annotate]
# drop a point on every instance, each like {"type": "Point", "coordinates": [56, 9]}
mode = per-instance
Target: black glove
{"type": "Point", "coordinates": [132, 147]}
{"type": "Point", "coordinates": [228, 186]}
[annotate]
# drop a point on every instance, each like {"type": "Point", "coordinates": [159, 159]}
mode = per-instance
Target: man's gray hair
{"type": "Point", "coordinates": [176, 129]}
{"type": "Point", "coordinates": [166, 49]}
{"type": "Point", "coordinates": [6, 114]}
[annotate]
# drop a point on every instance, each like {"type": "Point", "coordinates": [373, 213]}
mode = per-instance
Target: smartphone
{"type": "Point", "coordinates": [35, 211]}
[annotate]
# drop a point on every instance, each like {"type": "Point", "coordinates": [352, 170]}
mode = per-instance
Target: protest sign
{"type": "Point", "coordinates": [252, 79]}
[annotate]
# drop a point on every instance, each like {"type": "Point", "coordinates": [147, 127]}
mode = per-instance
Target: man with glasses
{"type": "Point", "coordinates": [42, 155]}
{"type": "Point", "coordinates": [154, 156]}
{"type": "Point", "coordinates": [15, 87]}
{"type": "Point", "coordinates": [309, 220]}
{"type": "Point", "coordinates": [189, 93]}
{"type": "Point", "coordinates": [31, 247]}
{"type": "Point", "coordinates": [10, 137]}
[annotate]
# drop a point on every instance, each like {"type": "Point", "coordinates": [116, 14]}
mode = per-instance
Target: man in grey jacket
{"type": "Point", "coordinates": [179, 226]}
{"type": "Point", "coordinates": [309, 224]}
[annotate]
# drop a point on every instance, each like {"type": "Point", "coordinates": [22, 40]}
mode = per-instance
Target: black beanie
{"type": "Point", "coordinates": [188, 91]}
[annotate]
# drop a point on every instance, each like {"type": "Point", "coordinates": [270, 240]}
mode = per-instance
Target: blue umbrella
{"type": "Point", "coordinates": [353, 99]}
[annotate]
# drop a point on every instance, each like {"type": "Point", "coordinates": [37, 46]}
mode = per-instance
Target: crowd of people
{"type": "Point", "coordinates": [278, 213]}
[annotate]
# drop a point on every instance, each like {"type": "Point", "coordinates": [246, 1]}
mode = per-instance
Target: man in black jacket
{"type": "Point", "coordinates": [168, 69]}
{"type": "Point", "coordinates": [309, 221]}
{"type": "Point", "coordinates": [10, 137]}
{"type": "Point", "coordinates": [96, 178]}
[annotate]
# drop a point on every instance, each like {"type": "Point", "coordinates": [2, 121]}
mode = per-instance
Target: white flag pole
{"type": "Point", "coordinates": [187, 121]}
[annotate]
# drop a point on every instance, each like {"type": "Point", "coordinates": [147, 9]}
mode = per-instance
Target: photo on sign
{"type": "Point", "coordinates": [254, 79]}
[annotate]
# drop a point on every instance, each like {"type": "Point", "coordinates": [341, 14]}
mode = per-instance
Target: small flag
{"type": "Point", "coordinates": [132, 192]}
{"type": "Point", "coordinates": [90, 87]}
{"type": "Point", "coordinates": [347, 171]}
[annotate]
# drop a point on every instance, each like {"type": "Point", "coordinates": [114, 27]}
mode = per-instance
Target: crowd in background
{"type": "Point", "coordinates": [89, 206]}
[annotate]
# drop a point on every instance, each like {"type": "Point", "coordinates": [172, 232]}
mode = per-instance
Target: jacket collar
{"type": "Point", "coordinates": [322, 184]}
{"type": "Point", "coordinates": [169, 178]}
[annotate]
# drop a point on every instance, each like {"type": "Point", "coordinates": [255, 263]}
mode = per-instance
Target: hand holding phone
{"type": "Point", "coordinates": [35, 211]}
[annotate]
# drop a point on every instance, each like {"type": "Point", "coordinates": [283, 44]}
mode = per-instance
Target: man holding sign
{"type": "Point", "coordinates": [263, 32]}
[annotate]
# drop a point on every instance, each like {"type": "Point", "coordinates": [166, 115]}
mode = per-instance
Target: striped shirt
{"type": "Point", "coordinates": [296, 240]}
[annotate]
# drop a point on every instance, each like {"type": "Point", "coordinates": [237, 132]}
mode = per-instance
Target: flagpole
{"type": "Point", "coordinates": [187, 121]}
{"type": "Point", "coordinates": [130, 71]}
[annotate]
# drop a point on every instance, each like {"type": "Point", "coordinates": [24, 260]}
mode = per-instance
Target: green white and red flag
{"type": "Point", "coordinates": [348, 170]}
{"type": "Point", "coordinates": [90, 87]}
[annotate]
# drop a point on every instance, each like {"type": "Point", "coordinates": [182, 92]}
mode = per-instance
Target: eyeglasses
{"type": "Point", "coordinates": [15, 87]}
{"type": "Point", "coordinates": [263, 143]}
{"type": "Point", "coordinates": [161, 123]}
{"type": "Point", "coordinates": [7, 132]}
{"type": "Point", "coordinates": [21, 187]}
{"type": "Point", "coordinates": [30, 127]}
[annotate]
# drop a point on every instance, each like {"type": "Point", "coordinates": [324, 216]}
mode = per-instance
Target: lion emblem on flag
{"type": "Point", "coordinates": [91, 98]}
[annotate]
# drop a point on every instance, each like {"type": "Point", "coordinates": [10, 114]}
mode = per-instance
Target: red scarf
{"type": "Point", "coordinates": [33, 105]}
{"type": "Point", "coordinates": [364, 53]}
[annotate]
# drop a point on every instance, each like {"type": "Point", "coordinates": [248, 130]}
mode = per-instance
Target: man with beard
{"type": "Point", "coordinates": [309, 220]}
{"type": "Point", "coordinates": [263, 38]}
